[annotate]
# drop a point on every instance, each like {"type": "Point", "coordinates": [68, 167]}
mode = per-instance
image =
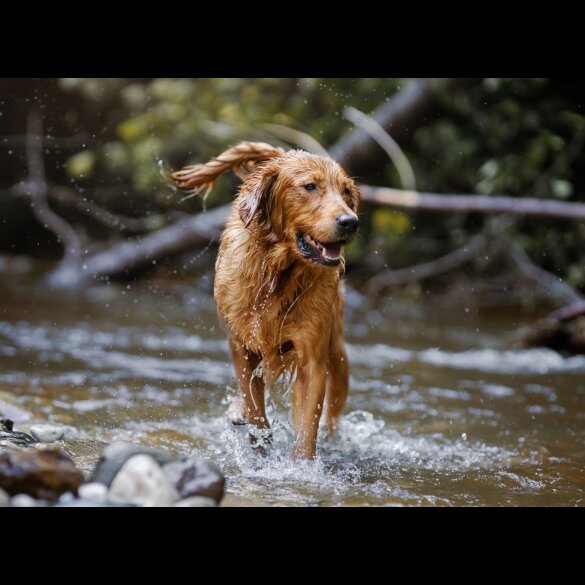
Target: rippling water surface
{"type": "Point", "coordinates": [445, 409]}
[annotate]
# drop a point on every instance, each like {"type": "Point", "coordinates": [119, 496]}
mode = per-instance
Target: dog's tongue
{"type": "Point", "coordinates": [331, 251]}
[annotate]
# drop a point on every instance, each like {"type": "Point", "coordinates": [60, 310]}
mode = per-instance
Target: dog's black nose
{"type": "Point", "coordinates": [348, 223]}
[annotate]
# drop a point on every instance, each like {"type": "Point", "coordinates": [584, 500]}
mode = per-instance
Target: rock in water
{"type": "Point", "coordinates": [47, 433]}
{"type": "Point", "coordinates": [42, 474]}
{"type": "Point", "coordinates": [6, 424]}
{"type": "Point", "coordinates": [24, 501]}
{"type": "Point", "coordinates": [94, 504]}
{"type": "Point", "coordinates": [115, 456]}
{"type": "Point", "coordinates": [8, 436]}
{"type": "Point", "coordinates": [96, 492]}
{"type": "Point", "coordinates": [190, 477]}
{"type": "Point", "coordinates": [196, 502]}
{"type": "Point", "coordinates": [142, 481]}
{"type": "Point", "coordinates": [17, 439]}
{"type": "Point", "coordinates": [196, 477]}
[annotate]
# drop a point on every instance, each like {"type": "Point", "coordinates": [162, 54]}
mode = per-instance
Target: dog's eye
{"type": "Point", "coordinates": [311, 187]}
{"type": "Point", "coordinates": [347, 191]}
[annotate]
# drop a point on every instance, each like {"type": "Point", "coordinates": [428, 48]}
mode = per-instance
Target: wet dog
{"type": "Point", "coordinates": [278, 280]}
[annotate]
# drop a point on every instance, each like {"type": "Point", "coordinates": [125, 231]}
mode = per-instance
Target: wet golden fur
{"type": "Point", "coordinates": [281, 311]}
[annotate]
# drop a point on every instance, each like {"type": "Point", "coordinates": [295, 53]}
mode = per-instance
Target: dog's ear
{"type": "Point", "coordinates": [256, 192]}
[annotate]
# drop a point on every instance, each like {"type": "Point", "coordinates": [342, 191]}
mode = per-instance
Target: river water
{"type": "Point", "coordinates": [445, 408]}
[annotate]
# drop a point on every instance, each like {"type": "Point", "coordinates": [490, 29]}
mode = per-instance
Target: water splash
{"type": "Point", "coordinates": [424, 426]}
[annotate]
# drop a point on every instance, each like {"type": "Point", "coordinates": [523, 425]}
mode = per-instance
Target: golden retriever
{"type": "Point", "coordinates": [278, 281]}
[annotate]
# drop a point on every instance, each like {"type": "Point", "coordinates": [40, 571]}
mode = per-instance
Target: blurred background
{"type": "Point", "coordinates": [108, 141]}
{"type": "Point", "coordinates": [465, 313]}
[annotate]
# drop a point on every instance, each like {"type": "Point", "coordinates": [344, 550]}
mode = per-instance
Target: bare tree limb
{"type": "Point", "coordinates": [35, 187]}
{"type": "Point", "coordinates": [70, 197]}
{"type": "Point", "coordinates": [474, 203]}
{"type": "Point", "coordinates": [72, 270]}
{"type": "Point", "coordinates": [569, 312]}
{"type": "Point", "coordinates": [390, 146]}
{"type": "Point", "coordinates": [294, 136]}
{"type": "Point", "coordinates": [132, 254]}
{"type": "Point", "coordinates": [400, 116]}
{"type": "Point", "coordinates": [562, 330]}
{"type": "Point", "coordinates": [394, 278]}
{"type": "Point", "coordinates": [553, 283]}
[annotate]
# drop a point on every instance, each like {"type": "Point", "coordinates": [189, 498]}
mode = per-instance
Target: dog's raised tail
{"type": "Point", "coordinates": [241, 159]}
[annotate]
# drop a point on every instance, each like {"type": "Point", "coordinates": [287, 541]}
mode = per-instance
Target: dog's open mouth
{"type": "Point", "coordinates": [320, 252]}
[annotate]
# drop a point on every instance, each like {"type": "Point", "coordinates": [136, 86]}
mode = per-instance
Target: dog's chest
{"type": "Point", "coordinates": [273, 320]}
{"type": "Point", "coordinates": [273, 312]}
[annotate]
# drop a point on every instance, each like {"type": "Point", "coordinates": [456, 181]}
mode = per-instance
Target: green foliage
{"type": "Point", "coordinates": [516, 137]}
{"type": "Point", "coordinates": [390, 223]}
{"type": "Point", "coordinates": [498, 138]}
{"type": "Point", "coordinates": [81, 165]}
{"type": "Point", "coordinates": [190, 120]}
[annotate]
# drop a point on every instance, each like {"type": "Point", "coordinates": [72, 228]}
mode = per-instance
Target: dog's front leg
{"type": "Point", "coordinates": [308, 397]}
{"type": "Point", "coordinates": [250, 407]}
{"type": "Point", "coordinates": [337, 385]}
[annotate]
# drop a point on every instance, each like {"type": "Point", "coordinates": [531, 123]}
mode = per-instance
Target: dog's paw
{"type": "Point", "coordinates": [260, 440]}
{"type": "Point", "coordinates": [236, 413]}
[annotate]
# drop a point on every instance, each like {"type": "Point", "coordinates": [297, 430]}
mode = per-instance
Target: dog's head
{"type": "Point", "coordinates": [306, 202]}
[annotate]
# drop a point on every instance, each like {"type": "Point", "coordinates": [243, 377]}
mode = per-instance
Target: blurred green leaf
{"type": "Point", "coordinates": [390, 223]}
{"type": "Point", "coordinates": [81, 165]}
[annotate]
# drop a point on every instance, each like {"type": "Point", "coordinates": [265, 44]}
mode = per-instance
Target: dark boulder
{"type": "Point", "coordinates": [190, 477]}
{"type": "Point", "coordinates": [196, 477]}
{"type": "Point", "coordinates": [42, 474]}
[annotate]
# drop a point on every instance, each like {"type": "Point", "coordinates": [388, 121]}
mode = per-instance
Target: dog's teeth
{"type": "Point", "coordinates": [313, 242]}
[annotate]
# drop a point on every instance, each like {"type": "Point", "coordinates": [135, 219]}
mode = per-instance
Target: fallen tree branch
{"type": "Point", "coordinates": [394, 278]}
{"type": "Point", "coordinates": [181, 236]}
{"type": "Point", "coordinates": [563, 330]}
{"type": "Point", "coordinates": [72, 271]}
{"type": "Point", "coordinates": [70, 197]}
{"type": "Point", "coordinates": [569, 312]}
{"type": "Point", "coordinates": [400, 116]}
{"type": "Point", "coordinates": [474, 203]}
{"type": "Point", "coordinates": [553, 283]}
